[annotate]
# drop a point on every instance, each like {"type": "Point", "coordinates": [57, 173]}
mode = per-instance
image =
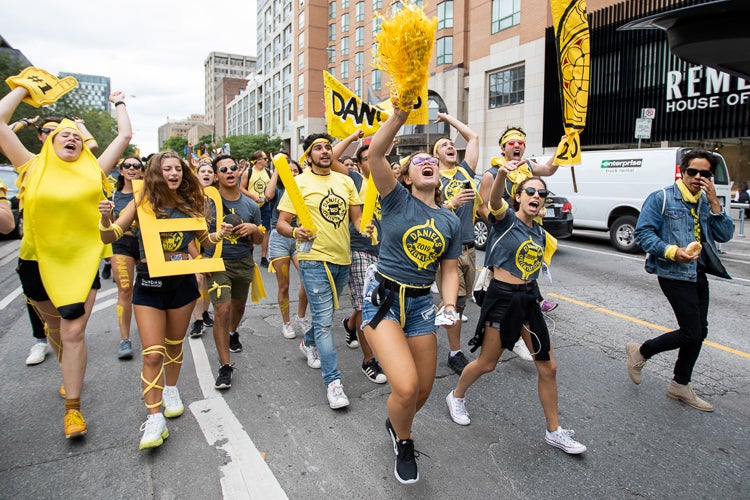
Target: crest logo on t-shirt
{"type": "Point", "coordinates": [333, 208]}
{"type": "Point", "coordinates": [235, 220]}
{"type": "Point", "coordinates": [529, 258]}
{"type": "Point", "coordinates": [423, 244]}
{"type": "Point", "coordinates": [259, 186]}
{"type": "Point", "coordinates": [453, 188]}
{"type": "Point", "coordinates": [171, 242]}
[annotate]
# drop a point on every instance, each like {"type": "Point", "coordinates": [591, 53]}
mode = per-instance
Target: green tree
{"type": "Point", "coordinates": [242, 146]}
{"type": "Point", "coordinates": [175, 143]}
{"type": "Point", "coordinates": [28, 135]}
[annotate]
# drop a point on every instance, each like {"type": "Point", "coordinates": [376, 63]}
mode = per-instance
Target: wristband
{"type": "Point", "coordinates": [294, 233]}
{"type": "Point", "coordinates": [119, 102]}
{"type": "Point", "coordinates": [87, 139]}
{"type": "Point", "coordinates": [102, 227]}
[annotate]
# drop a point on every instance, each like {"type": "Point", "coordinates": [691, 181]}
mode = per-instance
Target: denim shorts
{"type": "Point", "coordinates": [281, 246]}
{"type": "Point", "coordinates": [420, 311]}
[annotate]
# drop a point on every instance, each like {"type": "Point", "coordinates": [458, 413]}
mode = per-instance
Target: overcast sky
{"type": "Point", "coordinates": [153, 50]}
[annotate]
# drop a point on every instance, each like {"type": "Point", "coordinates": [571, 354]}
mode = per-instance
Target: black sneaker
{"type": "Point", "coordinates": [406, 462]}
{"type": "Point", "coordinates": [374, 372]}
{"type": "Point", "coordinates": [197, 329]}
{"type": "Point", "coordinates": [458, 362]}
{"type": "Point", "coordinates": [107, 271]}
{"type": "Point", "coordinates": [224, 380]}
{"type": "Point", "coordinates": [234, 342]}
{"type": "Point", "coordinates": [264, 262]}
{"type": "Point", "coordinates": [207, 319]}
{"type": "Point", "coordinates": [351, 335]}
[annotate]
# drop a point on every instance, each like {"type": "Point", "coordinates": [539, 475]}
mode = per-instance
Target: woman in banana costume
{"type": "Point", "coordinates": [60, 251]}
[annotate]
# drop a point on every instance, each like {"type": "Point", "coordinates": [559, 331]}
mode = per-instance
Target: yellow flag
{"type": "Point", "coordinates": [346, 113]}
{"type": "Point", "coordinates": [574, 55]}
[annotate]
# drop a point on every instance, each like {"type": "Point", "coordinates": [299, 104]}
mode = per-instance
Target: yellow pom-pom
{"type": "Point", "coordinates": [404, 49]}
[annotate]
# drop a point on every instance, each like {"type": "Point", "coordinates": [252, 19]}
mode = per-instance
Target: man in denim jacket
{"type": "Point", "coordinates": [670, 220]}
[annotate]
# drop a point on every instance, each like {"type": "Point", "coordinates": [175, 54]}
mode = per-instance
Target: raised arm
{"type": "Point", "coordinates": [472, 138]}
{"type": "Point", "coordinates": [270, 191]}
{"type": "Point", "coordinates": [117, 147]}
{"type": "Point", "coordinates": [88, 139]}
{"type": "Point", "coordinates": [10, 144]}
{"type": "Point", "coordinates": [380, 169]}
{"type": "Point", "coordinates": [340, 147]}
{"type": "Point", "coordinates": [496, 194]}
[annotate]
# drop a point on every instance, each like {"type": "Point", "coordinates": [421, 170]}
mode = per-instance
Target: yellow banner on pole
{"type": "Point", "coordinates": [346, 113]}
{"type": "Point", "coordinates": [574, 56]}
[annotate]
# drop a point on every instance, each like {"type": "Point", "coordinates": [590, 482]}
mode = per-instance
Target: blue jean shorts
{"type": "Point", "coordinates": [281, 246]}
{"type": "Point", "coordinates": [420, 311]}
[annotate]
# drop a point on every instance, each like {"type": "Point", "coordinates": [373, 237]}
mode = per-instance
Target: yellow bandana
{"type": "Point", "coordinates": [512, 135]}
{"type": "Point", "coordinates": [516, 176]}
{"type": "Point", "coordinates": [691, 198]}
{"type": "Point", "coordinates": [309, 148]}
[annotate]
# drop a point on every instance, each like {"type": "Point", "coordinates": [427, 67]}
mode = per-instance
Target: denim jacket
{"type": "Point", "coordinates": [666, 220]}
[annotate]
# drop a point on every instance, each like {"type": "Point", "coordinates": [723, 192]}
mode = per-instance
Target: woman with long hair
{"type": "Point", "coordinates": [398, 313]}
{"type": "Point", "coordinates": [125, 253]}
{"type": "Point", "coordinates": [60, 251]}
{"type": "Point", "coordinates": [510, 309]}
{"type": "Point", "coordinates": [163, 305]}
{"type": "Point", "coordinates": [201, 317]}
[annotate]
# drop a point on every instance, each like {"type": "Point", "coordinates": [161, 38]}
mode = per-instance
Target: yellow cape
{"type": "Point", "coordinates": [61, 217]}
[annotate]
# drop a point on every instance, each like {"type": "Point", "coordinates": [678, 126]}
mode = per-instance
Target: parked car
{"type": "Point", "coordinates": [557, 221]}
{"type": "Point", "coordinates": [8, 175]}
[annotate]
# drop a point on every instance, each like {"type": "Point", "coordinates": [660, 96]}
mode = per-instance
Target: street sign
{"type": "Point", "coordinates": [643, 128]}
{"type": "Point", "coordinates": [648, 113]}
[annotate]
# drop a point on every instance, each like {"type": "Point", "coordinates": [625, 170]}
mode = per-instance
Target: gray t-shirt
{"type": "Point", "coordinates": [453, 185]}
{"type": "Point", "coordinates": [415, 238]}
{"type": "Point", "coordinates": [235, 247]}
{"type": "Point", "coordinates": [520, 248]}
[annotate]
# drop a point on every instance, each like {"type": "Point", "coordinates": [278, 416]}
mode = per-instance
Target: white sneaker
{"type": "Point", "coordinates": [172, 403]}
{"type": "Point", "coordinates": [37, 354]}
{"type": "Point", "coordinates": [563, 439]}
{"type": "Point", "coordinates": [522, 351]}
{"type": "Point", "coordinates": [302, 324]}
{"type": "Point", "coordinates": [457, 408]}
{"type": "Point", "coordinates": [464, 318]}
{"type": "Point", "coordinates": [311, 353]}
{"type": "Point", "coordinates": [154, 431]}
{"type": "Point", "coordinates": [288, 331]}
{"type": "Point", "coordinates": [336, 396]}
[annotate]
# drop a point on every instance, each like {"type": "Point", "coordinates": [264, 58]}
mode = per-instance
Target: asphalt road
{"type": "Point", "coordinates": [273, 435]}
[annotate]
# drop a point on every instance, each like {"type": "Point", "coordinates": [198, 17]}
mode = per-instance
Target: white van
{"type": "Point", "coordinates": [613, 184]}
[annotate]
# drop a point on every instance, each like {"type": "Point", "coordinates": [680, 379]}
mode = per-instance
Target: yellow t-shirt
{"type": "Point", "coordinates": [258, 182]}
{"type": "Point", "coordinates": [328, 198]}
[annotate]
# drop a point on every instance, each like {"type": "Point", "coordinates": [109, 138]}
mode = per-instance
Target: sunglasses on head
{"type": "Point", "coordinates": [136, 166]}
{"type": "Point", "coordinates": [224, 170]}
{"type": "Point", "coordinates": [692, 172]}
{"type": "Point", "coordinates": [541, 192]}
{"type": "Point", "coordinates": [419, 160]}
{"type": "Point", "coordinates": [515, 143]}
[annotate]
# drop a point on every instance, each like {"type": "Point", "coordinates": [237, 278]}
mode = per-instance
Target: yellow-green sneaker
{"type": "Point", "coordinates": [154, 431]}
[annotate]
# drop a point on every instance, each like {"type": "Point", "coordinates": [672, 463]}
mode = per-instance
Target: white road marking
{"type": "Point", "coordinates": [10, 297]}
{"type": "Point", "coordinates": [103, 305]}
{"type": "Point", "coordinates": [246, 475]}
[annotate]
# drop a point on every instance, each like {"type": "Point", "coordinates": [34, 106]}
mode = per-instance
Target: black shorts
{"type": "Point", "coordinates": [507, 308]}
{"type": "Point", "coordinates": [176, 292]}
{"type": "Point", "coordinates": [127, 245]}
{"type": "Point", "coordinates": [33, 288]}
{"type": "Point", "coordinates": [265, 215]}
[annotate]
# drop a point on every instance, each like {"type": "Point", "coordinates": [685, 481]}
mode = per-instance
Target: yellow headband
{"type": "Point", "coordinates": [512, 135]}
{"type": "Point", "coordinates": [435, 147]}
{"type": "Point", "coordinates": [52, 125]}
{"type": "Point", "coordinates": [309, 148]}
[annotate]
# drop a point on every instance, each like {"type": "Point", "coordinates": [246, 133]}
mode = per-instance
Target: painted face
{"type": "Point", "coordinates": [227, 172]}
{"type": "Point", "coordinates": [514, 149]}
{"type": "Point", "coordinates": [206, 175]}
{"type": "Point", "coordinates": [171, 170]}
{"type": "Point", "coordinates": [68, 145]}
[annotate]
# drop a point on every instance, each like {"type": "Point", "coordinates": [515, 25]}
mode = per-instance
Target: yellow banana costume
{"type": "Point", "coordinates": [59, 200]}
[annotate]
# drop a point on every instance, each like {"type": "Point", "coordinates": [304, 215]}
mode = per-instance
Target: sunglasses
{"type": "Point", "coordinates": [515, 143]}
{"type": "Point", "coordinates": [692, 172]}
{"type": "Point", "coordinates": [45, 130]}
{"type": "Point", "coordinates": [136, 166]}
{"type": "Point", "coordinates": [541, 192]}
{"type": "Point", "coordinates": [420, 160]}
{"type": "Point", "coordinates": [224, 170]}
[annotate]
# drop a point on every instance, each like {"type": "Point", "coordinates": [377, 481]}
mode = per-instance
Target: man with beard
{"type": "Point", "coordinates": [513, 145]}
{"type": "Point", "coordinates": [331, 199]}
{"type": "Point", "coordinates": [460, 195]}
{"type": "Point", "coordinates": [229, 289]}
